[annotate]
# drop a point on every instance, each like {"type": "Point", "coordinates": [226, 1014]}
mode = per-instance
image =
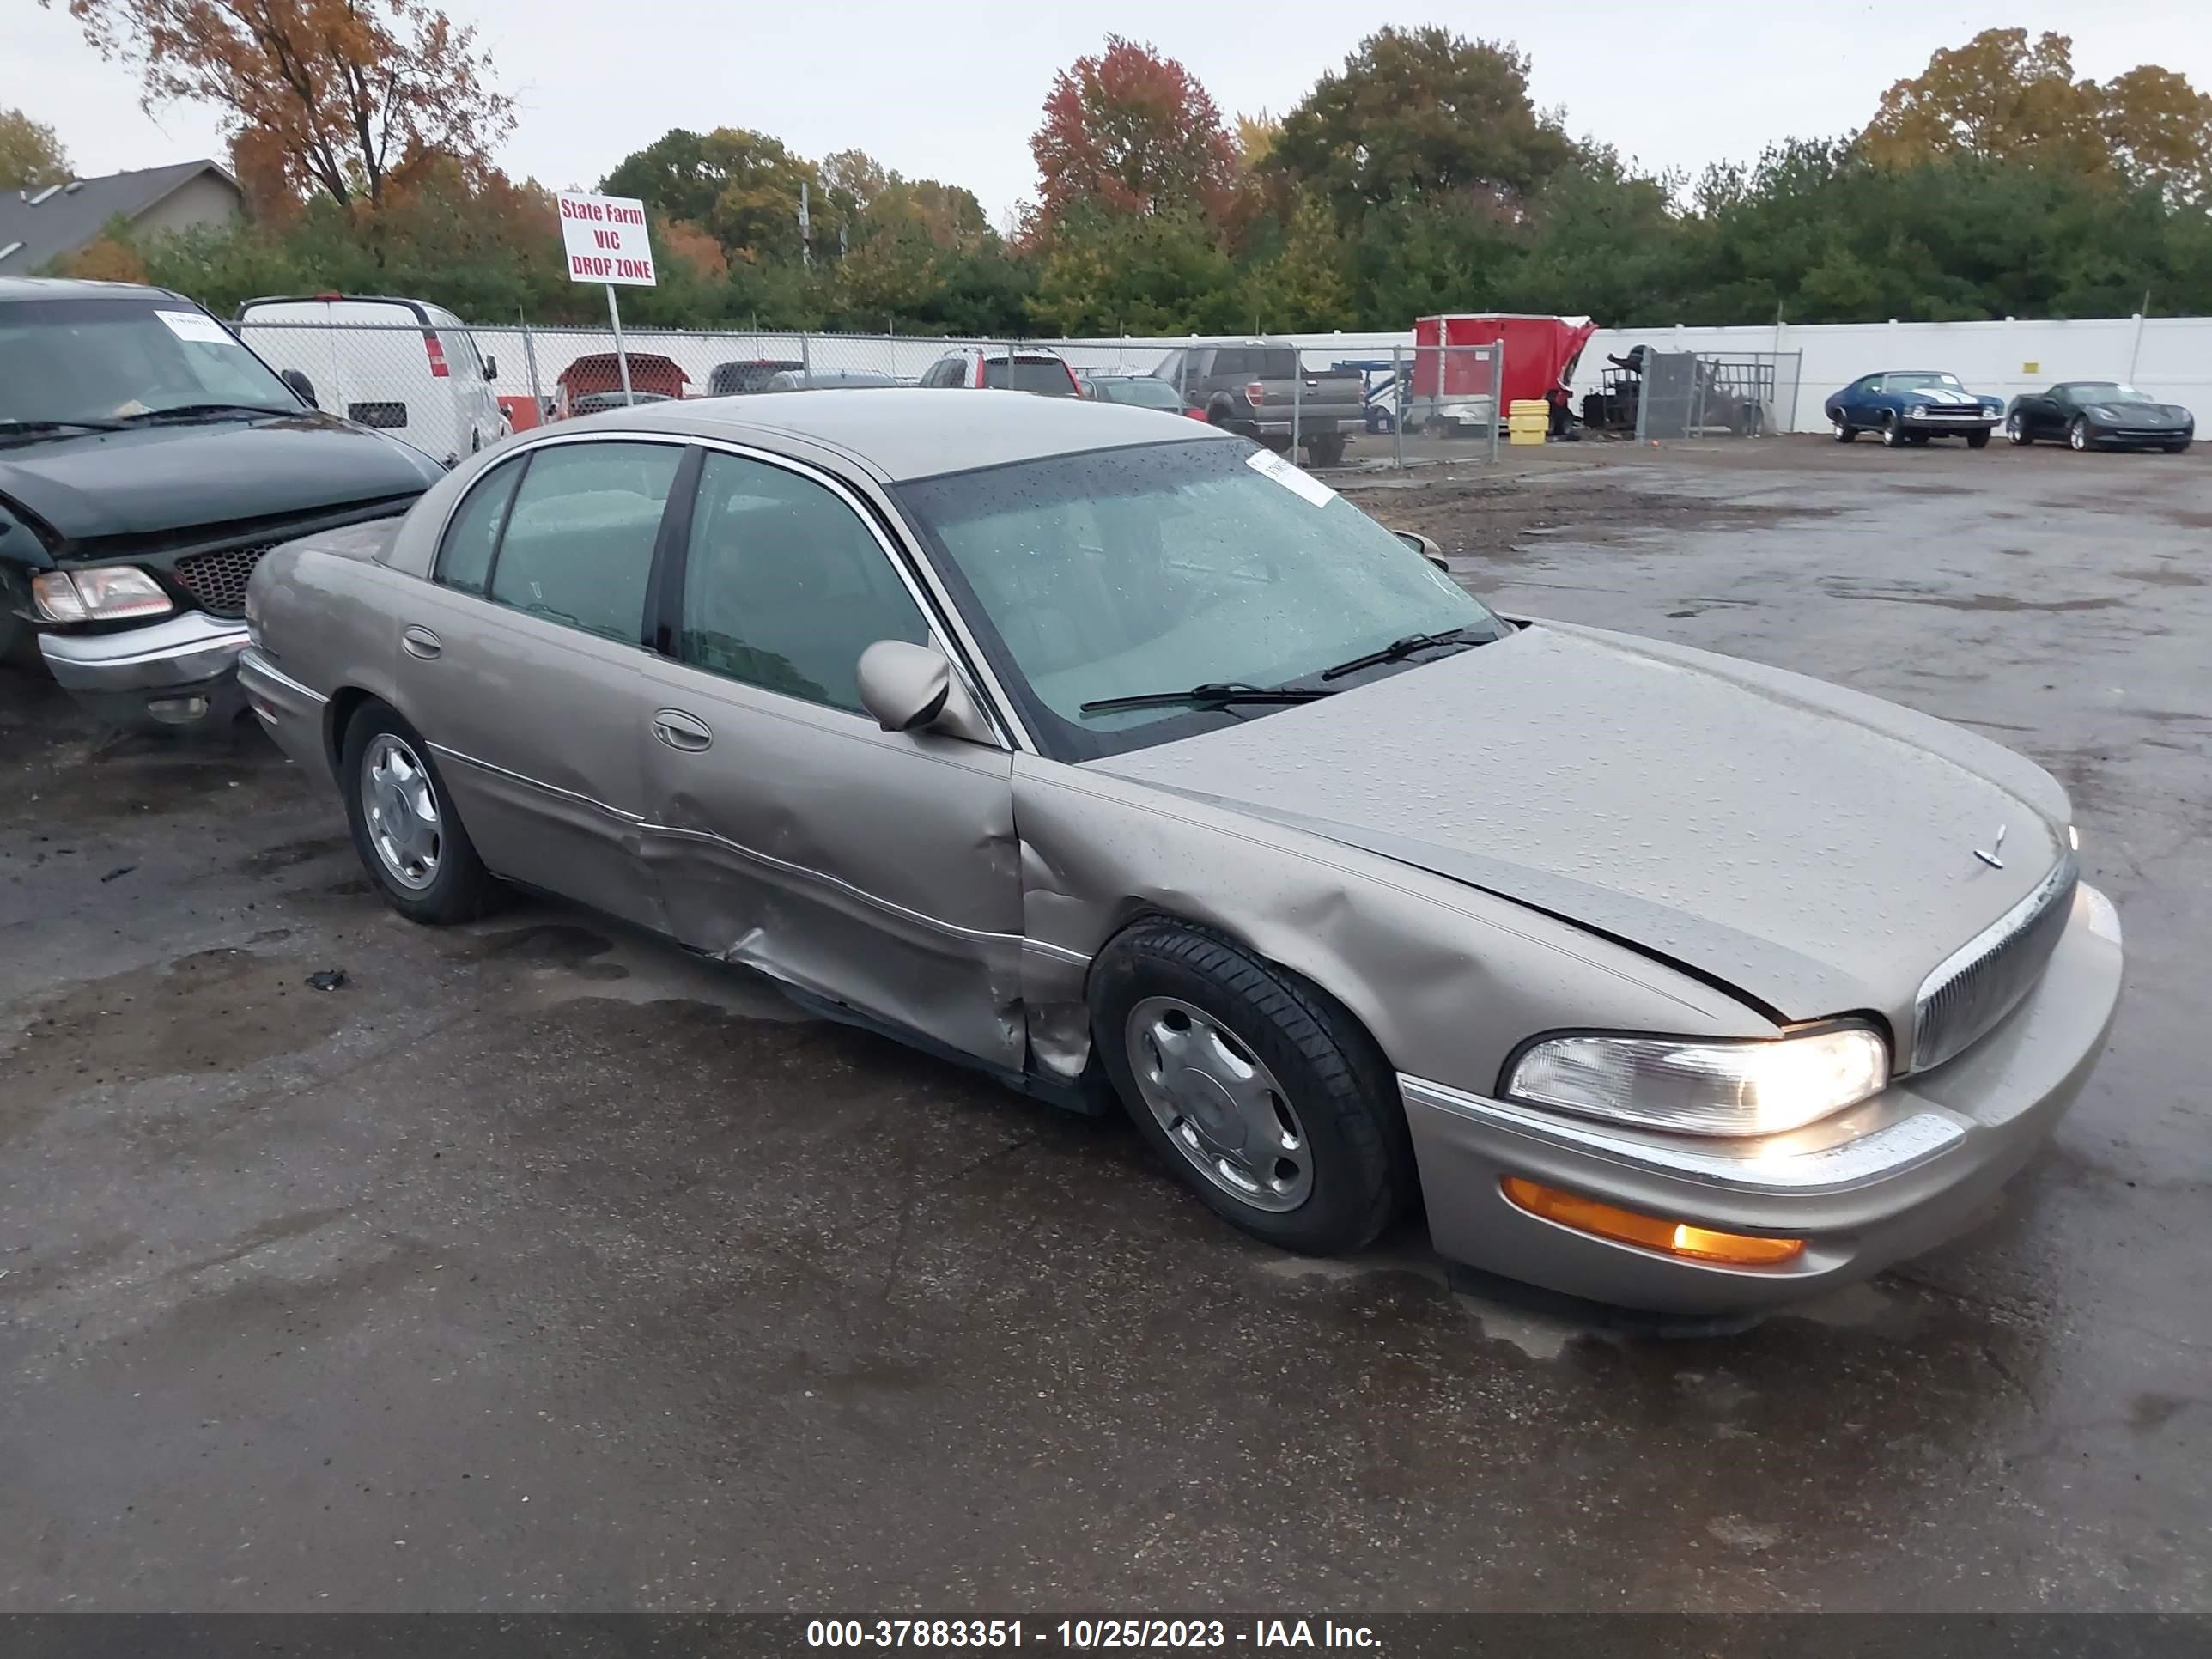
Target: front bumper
{"type": "Point", "coordinates": [1894, 1176]}
{"type": "Point", "coordinates": [1985, 421]}
{"type": "Point", "coordinates": [2138, 437]}
{"type": "Point", "coordinates": [178, 673]}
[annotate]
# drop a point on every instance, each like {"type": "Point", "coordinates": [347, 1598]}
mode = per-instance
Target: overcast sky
{"type": "Point", "coordinates": [952, 92]}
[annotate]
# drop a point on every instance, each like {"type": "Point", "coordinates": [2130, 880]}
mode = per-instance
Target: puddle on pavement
{"type": "Point", "coordinates": [211, 1011]}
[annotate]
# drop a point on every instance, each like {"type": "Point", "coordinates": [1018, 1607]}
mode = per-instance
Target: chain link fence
{"type": "Point", "coordinates": [1658, 397]}
{"type": "Point", "coordinates": [452, 390]}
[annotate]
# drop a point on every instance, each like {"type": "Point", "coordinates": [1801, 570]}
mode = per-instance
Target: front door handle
{"type": "Point", "coordinates": [681, 731]}
{"type": "Point", "coordinates": [420, 642]}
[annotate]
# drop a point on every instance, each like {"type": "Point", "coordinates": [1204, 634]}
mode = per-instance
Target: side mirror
{"type": "Point", "coordinates": [912, 688]}
{"type": "Point", "coordinates": [1422, 545]}
{"type": "Point", "coordinates": [301, 386]}
{"type": "Point", "coordinates": [491, 368]}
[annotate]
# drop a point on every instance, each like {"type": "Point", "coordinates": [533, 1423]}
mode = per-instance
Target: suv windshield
{"type": "Point", "coordinates": [109, 360]}
{"type": "Point", "coordinates": [1120, 572]}
{"type": "Point", "coordinates": [1046, 374]}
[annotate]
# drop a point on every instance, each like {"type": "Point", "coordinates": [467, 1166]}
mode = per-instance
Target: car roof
{"type": "Point", "coordinates": [72, 288]}
{"type": "Point", "coordinates": [904, 432]}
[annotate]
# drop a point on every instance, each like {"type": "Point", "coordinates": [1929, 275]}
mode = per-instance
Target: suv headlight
{"type": "Point", "coordinates": [111, 593]}
{"type": "Point", "coordinates": [1716, 1087]}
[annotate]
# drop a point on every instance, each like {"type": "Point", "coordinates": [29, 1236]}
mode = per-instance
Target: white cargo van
{"type": "Point", "coordinates": [400, 366]}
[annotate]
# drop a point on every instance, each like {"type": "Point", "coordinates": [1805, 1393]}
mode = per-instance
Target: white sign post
{"type": "Point", "coordinates": [605, 239]}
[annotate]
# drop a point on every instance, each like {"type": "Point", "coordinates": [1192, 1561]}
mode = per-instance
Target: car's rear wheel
{"type": "Point", "coordinates": [1978, 440]}
{"type": "Point", "coordinates": [2016, 430]}
{"type": "Point", "coordinates": [409, 838]}
{"type": "Point", "coordinates": [2081, 435]}
{"type": "Point", "coordinates": [1844, 432]}
{"type": "Point", "coordinates": [1892, 432]}
{"type": "Point", "coordinates": [1265, 1097]}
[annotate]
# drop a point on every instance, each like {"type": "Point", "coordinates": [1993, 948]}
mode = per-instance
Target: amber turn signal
{"type": "Point", "coordinates": [1653, 1232]}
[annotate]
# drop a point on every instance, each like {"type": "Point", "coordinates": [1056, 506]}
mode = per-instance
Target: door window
{"type": "Point", "coordinates": [472, 533]}
{"type": "Point", "coordinates": [577, 545]}
{"type": "Point", "coordinates": [784, 587]}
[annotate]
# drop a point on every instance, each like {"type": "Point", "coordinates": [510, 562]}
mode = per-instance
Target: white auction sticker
{"type": "Point", "coordinates": [1269, 464]}
{"type": "Point", "coordinates": [195, 325]}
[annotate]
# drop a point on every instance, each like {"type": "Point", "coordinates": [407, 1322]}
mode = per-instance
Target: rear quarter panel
{"type": "Point", "coordinates": [322, 610]}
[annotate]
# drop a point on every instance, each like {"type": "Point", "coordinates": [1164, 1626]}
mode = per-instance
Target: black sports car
{"type": "Point", "coordinates": [2097, 414]}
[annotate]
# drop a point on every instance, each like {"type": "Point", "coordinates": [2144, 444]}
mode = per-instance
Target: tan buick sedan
{"type": "Point", "coordinates": [1113, 755]}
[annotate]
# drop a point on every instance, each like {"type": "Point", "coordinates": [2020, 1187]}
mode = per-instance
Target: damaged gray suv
{"type": "Point", "coordinates": [1113, 755]}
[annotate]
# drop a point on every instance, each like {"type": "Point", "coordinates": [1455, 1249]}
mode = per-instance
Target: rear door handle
{"type": "Point", "coordinates": [420, 642]}
{"type": "Point", "coordinates": [681, 731]}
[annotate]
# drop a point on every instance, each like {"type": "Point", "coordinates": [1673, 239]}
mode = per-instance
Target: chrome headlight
{"type": "Point", "coordinates": [1721, 1086]}
{"type": "Point", "coordinates": [1917, 409]}
{"type": "Point", "coordinates": [108, 592]}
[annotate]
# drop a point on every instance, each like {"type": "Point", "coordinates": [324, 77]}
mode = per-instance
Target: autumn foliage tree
{"type": "Point", "coordinates": [2003, 97]}
{"type": "Point", "coordinates": [1135, 132]}
{"type": "Point", "coordinates": [31, 157]}
{"type": "Point", "coordinates": [358, 96]}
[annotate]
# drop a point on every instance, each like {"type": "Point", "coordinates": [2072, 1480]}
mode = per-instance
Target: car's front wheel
{"type": "Point", "coordinates": [1265, 1097]}
{"type": "Point", "coordinates": [404, 827]}
{"type": "Point", "coordinates": [2016, 430]}
{"type": "Point", "coordinates": [1892, 432]}
{"type": "Point", "coordinates": [2081, 435]}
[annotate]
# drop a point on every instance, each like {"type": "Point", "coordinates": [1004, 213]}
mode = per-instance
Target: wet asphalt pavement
{"type": "Point", "coordinates": [537, 1266]}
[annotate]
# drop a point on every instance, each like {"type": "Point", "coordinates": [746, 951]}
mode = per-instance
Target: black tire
{"type": "Point", "coordinates": [1978, 440]}
{"type": "Point", "coordinates": [2016, 432]}
{"type": "Point", "coordinates": [1326, 451]}
{"type": "Point", "coordinates": [1341, 1089]}
{"type": "Point", "coordinates": [1844, 432]}
{"type": "Point", "coordinates": [461, 889]}
{"type": "Point", "coordinates": [1916, 439]}
{"type": "Point", "coordinates": [2081, 435]}
{"type": "Point", "coordinates": [2181, 449]}
{"type": "Point", "coordinates": [1892, 432]}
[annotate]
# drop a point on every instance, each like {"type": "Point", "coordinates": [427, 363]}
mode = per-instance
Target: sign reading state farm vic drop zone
{"type": "Point", "coordinates": [605, 240]}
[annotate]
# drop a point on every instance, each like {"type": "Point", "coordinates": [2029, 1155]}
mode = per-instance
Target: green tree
{"type": "Point", "coordinates": [31, 157]}
{"type": "Point", "coordinates": [1421, 113]}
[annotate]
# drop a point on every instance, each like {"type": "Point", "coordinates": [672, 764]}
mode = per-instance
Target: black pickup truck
{"type": "Point", "coordinates": [148, 460]}
{"type": "Point", "coordinates": [1259, 387]}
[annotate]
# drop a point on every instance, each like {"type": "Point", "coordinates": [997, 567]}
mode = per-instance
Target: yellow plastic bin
{"type": "Point", "coordinates": [1528, 420]}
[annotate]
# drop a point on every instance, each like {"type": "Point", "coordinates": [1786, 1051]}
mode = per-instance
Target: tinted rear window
{"type": "Point", "coordinates": [1046, 374]}
{"type": "Point", "coordinates": [1260, 362]}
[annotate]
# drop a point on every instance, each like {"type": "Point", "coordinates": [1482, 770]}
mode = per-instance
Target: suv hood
{"type": "Point", "coordinates": [156, 479]}
{"type": "Point", "coordinates": [1809, 848]}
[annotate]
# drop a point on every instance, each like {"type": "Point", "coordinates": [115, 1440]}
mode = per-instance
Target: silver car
{"type": "Point", "coordinates": [1116, 755]}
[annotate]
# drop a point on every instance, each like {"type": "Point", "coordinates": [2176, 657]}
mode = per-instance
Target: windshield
{"type": "Point", "coordinates": [2106, 391]}
{"type": "Point", "coordinates": [108, 360]}
{"type": "Point", "coordinates": [1146, 393]}
{"type": "Point", "coordinates": [1913, 382]}
{"type": "Point", "coordinates": [1125, 571]}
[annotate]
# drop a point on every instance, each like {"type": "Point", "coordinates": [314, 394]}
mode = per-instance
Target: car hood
{"type": "Point", "coordinates": [90, 487]}
{"type": "Point", "coordinates": [1810, 848]}
{"type": "Point", "coordinates": [2142, 413]}
{"type": "Point", "coordinates": [1948, 397]}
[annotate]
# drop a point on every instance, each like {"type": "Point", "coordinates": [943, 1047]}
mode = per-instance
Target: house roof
{"type": "Point", "coordinates": [56, 221]}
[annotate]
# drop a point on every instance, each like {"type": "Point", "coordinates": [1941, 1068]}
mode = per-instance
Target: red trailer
{"type": "Point", "coordinates": [1451, 389]}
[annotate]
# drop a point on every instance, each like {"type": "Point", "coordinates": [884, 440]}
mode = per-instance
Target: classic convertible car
{"type": "Point", "coordinates": [1911, 406]}
{"type": "Point", "coordinates": [1108, 752]}
{"type": "Point", "coordinates": [2100, 413]}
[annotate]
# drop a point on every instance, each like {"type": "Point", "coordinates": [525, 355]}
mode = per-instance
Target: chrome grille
{"type": "Point", "coordinates": [1979, 983]}
{"type": "Point", "coordinates": [217, 579]}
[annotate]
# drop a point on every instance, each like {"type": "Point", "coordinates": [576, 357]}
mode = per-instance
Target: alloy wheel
{"type": "Point", "coordinates": [1220, 1105]}
{"type": "Point", "coordinates": [401, 808]}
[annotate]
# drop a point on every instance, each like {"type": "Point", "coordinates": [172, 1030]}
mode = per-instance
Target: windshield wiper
{"type": "Point", "coordinates": [192, 410]}
{"type": "Point", "coordinates": [7, 427]}
{"type": "Point", "coordinates": [1214, 692]}
{"type": "Point", "coordinates": [1396, 651]}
